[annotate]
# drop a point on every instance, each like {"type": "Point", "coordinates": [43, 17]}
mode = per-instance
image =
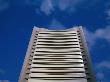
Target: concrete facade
{"type": "Point", "coordinates": [57, 56]}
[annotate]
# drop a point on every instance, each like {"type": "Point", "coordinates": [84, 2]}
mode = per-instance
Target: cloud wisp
{"type": "Point", "coordinates": [2, 72]}
{"type": "Point", "coordinates": [56, 25]}
{"type": "Point", "coordinates": [100, 75]}
{"type": "Point", "coordinates": [49, 6]}
{"type": "Point", "coordinates": [70, 5]}
{"type": "Point", "coordinates": [4, 81]}
{"type": "Point", "coordinates": [108, 14]}
{"type": "Point", "coordinates": [104, 65]}
{"type": "Point", "coordinates": [102, 33]}
{"type": "Point", "coordinates": [4, 5]}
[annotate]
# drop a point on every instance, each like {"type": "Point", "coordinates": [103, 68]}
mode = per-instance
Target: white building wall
{"type": "Point", "coordinates": [58, 60]}
{"type": "Point", "coordinates": [56, 56]}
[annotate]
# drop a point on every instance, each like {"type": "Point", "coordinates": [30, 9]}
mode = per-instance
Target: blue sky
{"type": "Point", "coordinates": [17, 18]}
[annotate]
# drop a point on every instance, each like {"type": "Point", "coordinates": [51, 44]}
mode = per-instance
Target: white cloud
{"type": "Point", "coordinates": [102, 33]}
{"type": "Point", "coordinates": [56, 25]}
{"type": "Point", "coordinates": [72, 4]}
{"type": "Point", "coordinates": [104, 64]}
{"type": "Point", "coordinates": [47, 6]}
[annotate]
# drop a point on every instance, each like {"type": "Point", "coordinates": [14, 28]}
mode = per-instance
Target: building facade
{"type": "Point", "coordinates": [57, 56]}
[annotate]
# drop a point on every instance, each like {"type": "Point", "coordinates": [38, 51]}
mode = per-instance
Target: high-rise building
{"type": "Point", "coordinates": [57, 56]}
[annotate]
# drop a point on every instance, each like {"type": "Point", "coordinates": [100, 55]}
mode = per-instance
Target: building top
{"type": "Point", "coordinates": [76, 28]}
